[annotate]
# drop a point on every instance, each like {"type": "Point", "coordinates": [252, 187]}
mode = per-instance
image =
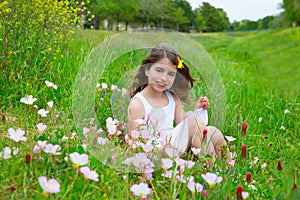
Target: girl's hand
{"type": "Point", "coordinates": [202, 102]}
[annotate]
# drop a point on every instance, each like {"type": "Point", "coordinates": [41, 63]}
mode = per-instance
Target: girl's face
{"type": "Point", "coordinates": [161, 75]}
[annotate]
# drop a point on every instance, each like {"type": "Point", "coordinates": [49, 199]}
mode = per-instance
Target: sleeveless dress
{"type": "Point", "coordinates": [162, 120]}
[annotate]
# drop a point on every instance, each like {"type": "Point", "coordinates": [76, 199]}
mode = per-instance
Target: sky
{"type": "Point", "coordinates": [238, 10]}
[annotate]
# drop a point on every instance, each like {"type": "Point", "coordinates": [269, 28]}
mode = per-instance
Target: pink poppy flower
{"type": "Point", "coordinates": [196, 151]}
{"type": "Point", "coordinates": [141, 190]}
{"type": "Point", "coordinates": [211, 178]}
{"type": "Point", "coordinates": [16, 135]}
{"type": "Point", "coordinates": [195, 187]}
{"type": "Point", "coordinates": [50, 84]}
{"type": "Point", "coordinates": [89, 174]}
{"type": "Point", "coordinates": [49, 186]}
{"type": "Point", "coordinates": [52, 149]}
{"type": "Point", "coordinates": [41, 127]}
{"type": "Point", "coordinates": [6, 153]}
{"type": "Point", "coordinates": [79, 159]}
{"type": "Point", "coordinates": [29, 100]}
{"type": "Point", "coordinates": [43, 112]}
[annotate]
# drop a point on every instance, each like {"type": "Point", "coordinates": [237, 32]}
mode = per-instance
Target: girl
{"type": "Point", "coordinates": [161, 84]}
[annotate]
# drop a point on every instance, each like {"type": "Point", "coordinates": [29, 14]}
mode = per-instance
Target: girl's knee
{"type": "Point", "coordinates": [195, 123]}
{"type": "Point", "coordinates": [216, 136]}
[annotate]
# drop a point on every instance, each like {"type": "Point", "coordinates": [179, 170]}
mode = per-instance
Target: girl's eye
{"type": "Point", "coordinates": [171, 74]}
{"type": "Point", "coordinates": [159, 70]}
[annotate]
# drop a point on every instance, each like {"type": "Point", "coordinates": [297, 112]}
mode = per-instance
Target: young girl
{"type": "Point", "coordinates": [161, 84]}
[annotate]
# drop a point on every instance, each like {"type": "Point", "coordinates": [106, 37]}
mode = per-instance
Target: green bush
{"type": "Point", "coordinates": [33, 34]}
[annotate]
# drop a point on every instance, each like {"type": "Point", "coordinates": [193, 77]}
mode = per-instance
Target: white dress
{"type": "Point", "coordinates": [162, 120]}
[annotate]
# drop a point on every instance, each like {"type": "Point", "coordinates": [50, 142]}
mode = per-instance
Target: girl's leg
{"type": "Point", "coordinates": [195, 126]}
{"type": "Point", "coordinates": [218, 142]}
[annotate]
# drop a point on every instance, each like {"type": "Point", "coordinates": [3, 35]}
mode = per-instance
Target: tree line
{"type": "Point", "coordinates": [179, 15]}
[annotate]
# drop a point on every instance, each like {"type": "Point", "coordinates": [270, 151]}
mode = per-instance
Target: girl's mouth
{"type": "Point", "coordinates": [161, 85]}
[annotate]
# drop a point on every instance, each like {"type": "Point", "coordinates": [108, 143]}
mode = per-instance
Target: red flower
{"type": "Point", "coordinates": [3, 116]}
{"type": "Point", "coordinates": [244, 151]}
{"type": "Point", "coordinates": [205, 193]}
{"type": "Point", "coordinates": [13, 188]}
{"type": "Point", "coordinates": [248, 177]}
{"type": "Point", "coordinates": [244, 128]}
{"type": "Point", "coordinates": [239, 191]}
{"type": "Point", "coordinates": [279, 167]}
{"type": "Point", "coordinates": [204, 133]}
{"type": "Point", "coordinates": [95, 108]}
{"type": "Point", "coordinates": [125, 67]}
{"type": "Point", "coordinates": [294, 186]}
{"type": "Point", "coordinates": [27, 158]}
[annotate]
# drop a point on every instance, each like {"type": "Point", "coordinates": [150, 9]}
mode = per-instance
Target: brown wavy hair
{"type": "Point", "coordinates": [182, 83]}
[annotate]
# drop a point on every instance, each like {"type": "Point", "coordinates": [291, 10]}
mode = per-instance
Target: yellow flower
{"type": "Point", "coordinates": [180, 63]}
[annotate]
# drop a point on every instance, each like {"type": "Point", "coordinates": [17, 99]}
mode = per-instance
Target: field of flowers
{"type": "Point", "coordinates": [45, 153]}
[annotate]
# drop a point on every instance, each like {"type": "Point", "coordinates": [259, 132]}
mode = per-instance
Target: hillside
{"type": "Point", "coordinates": [272, 57]}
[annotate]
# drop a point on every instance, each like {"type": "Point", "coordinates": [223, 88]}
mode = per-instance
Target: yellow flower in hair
{"type": "Point", "coordinates": [180, 65]}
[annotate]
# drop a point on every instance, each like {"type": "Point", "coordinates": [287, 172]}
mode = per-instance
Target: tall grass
{"type": "Point", "coordinates": [260, 74]}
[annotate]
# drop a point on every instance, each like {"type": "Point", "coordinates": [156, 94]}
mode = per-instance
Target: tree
{"type": "Point", "coordinates": [265, 22]}
{"type": "Point", "coordinates": [199, 22]}
{"type": "Point", "coordinates": [128, 9]}
{"type": "Point", "coordinates": [188, 17]}
{"type": "Point", "coordinates": [114, 11]}
{"type": "Point", "coordinates": [292, 11]}
{"type": "Point", "coordinates": [146, 10]}
{"type": "Point", "coordinates": [216, 19]}
{"type": "Point", "coordinates": [180, 18]}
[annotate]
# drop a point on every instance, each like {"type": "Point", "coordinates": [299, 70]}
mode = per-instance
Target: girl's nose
{"type": "Point", "coordinates": [164, 76]}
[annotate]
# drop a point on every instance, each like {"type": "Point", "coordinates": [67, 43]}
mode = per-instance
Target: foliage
{"type": "Point", "coordinates": [216, 19]}
{"type": "Point", "coordinates": [33, 35]}
{"type": "Point", "coordinates": [119, 11]}
{"type": "Point", "coordinates": [292, 11]}
{"type": "Point", "coordinates": [178, 15]}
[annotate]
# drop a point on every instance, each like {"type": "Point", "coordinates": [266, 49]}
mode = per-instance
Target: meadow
{"type": "Point", "coordinates": [261, 75]}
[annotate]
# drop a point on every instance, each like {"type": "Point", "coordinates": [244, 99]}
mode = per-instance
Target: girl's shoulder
{"type": "Point", "coordinates": [136, 105]}
{"type": "Point", "coordinates": [176, 99]}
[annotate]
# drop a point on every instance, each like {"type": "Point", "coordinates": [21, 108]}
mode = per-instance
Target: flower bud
{"type": "Point", "coordinates": [244, 128]}
{"type": "Point", "coordinates": [239, 191]}
{"type": "Point", "coordinates": [13, 188]}
{"type": "Point", "coordinates": [27, 158]}
{"type": "Point", "coordinates": [248, 177]}
{"type": "Point", "coordinates": [244, 151]}
{"type": "Point", "coordinates": [279, 167]}
{"type": "Point", "coordinates": [294, 186]}
{"type": "Point", "coordinates": [205, 131]}
{"type": "Point", "coordinates": [205, 193]}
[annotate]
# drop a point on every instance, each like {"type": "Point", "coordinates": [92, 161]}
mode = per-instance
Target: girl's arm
{"type": "Point", "coordinates": [201, 107]}
{"type": "Point", "coordinates": [136, 111]}
{"type": "Point", "coordinates": [181, 115]}
{"type": "Point", "coordinates": [179, 111]}
{"type": "Point", "coordinates": [202, 102]}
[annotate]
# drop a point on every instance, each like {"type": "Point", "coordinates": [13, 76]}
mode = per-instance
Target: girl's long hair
{"type": "Point", "coordinates": [183, 81]}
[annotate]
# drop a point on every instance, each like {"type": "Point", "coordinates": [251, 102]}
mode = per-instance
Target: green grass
{"type": "Point", "coordinates": [260, 72]}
